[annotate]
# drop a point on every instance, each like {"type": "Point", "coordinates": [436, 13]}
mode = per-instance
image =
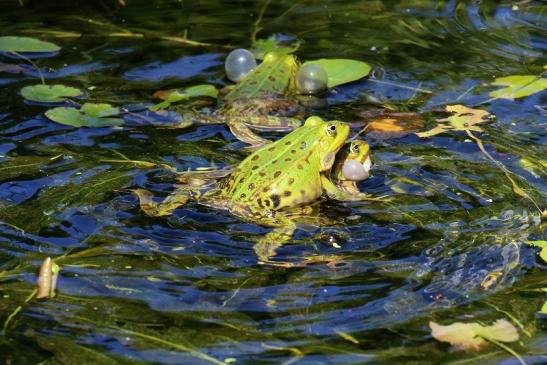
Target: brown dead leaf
{"type": "Point", "coordinates": [393, 124]}
{"type": "Point", "coordinates": [47, 279]}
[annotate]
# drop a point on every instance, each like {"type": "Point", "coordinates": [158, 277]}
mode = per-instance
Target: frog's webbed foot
{"type": "Point", "coordinates": [349, 195]}
{"type": "Point", "coordinates": [245, 134]}
{"type": "Point", "coordinates": [267, 245]}
{"type": "Point", "coordinates": [155, 209]}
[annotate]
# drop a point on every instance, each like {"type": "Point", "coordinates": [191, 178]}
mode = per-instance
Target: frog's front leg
{"type": "Point", "coordinates": [334, 192]}
{"type": "Point", "coordinates": [242, 127]}
{"type": "Point", "coordinates": [166, 207]}
{"type": "Point", "coordinates": [283, 231]}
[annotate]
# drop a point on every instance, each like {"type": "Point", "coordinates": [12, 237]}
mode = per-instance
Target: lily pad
{"type": "Point", "coordinates": [543, 246]}
{"type": "Point", "coordinates": [464, 118]}
{"type": "Point", "coordinates": [472, 336]}
{"type": "Point", "coordinates": [89, 115]}
{"type": "Point", "coordinates": [518, 86]}
{"type": "Point", "coordinates": [26, 45]}
{"type": "Point", "coordinates": [342, 71]}
{"type": "Point", "coordinates": [49, 93]}
{"type": "Point", "coordinates": [263, 46]}
{"type": "Point", "coordinates": [173, 96]}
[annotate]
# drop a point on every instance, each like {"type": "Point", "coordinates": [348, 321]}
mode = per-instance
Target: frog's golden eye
{"type": "Point", "coordinates": [354, 147]}
{"type": "Point", "coordinates": [331, 130]}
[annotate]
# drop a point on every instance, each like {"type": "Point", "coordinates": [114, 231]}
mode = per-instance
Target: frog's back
{"type": "Point", "coordinates": [273, 76]}
{"type": "Point", "coordinates": [274, 177]}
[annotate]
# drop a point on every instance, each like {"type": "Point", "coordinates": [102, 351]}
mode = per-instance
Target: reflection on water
{"type": "Point", "coordinates": [449, 245]}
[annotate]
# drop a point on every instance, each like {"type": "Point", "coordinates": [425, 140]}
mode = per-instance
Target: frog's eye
{"type": "Point", "coordinates": [331, 130]}
{"type": "Point", "coordinates": [354, 147]}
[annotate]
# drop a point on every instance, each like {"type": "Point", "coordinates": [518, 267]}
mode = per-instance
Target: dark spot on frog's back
{"type": "Point", "coordinates": [251, 186]}
{"type": "Point", "coordinates": [287, 193]}
{"type": "Point", "coordinates": [254, 158]}
{"type": "Point", "coordinates": [288, 143]}
{"type": "Point", "coordinates": [290, 181]}
{"type": "Point", "coordinates": [262, 173]}
{"type": "Point", "coordinates": [271, 78]}
{"type": "Point", "coordinates": [276, 174]}
{"type": "Point", "coordinates": [275, 200]}
{"type": "Point", "coordinates": [271, 149]}
{"type": "Point", "coordinates": [254, 167]}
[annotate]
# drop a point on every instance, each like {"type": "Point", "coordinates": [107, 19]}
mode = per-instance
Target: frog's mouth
{"type": "Point", "coordinates": [355, 170]}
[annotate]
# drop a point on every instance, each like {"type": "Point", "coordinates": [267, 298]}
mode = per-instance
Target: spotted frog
{"type": "Point", "coordinates": [263, 100]}
{"type": "Point", "coordinates": [352, 165]}
{"type": "Point", "coordinates": [273, 185]}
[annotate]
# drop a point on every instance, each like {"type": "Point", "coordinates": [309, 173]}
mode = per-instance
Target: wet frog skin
{"type": "Point", "coordinates": [358, 153]}
{"type": "Point", "coordinates": [273, 185]}
{"type": "Point", "coordinates": [263, 100]}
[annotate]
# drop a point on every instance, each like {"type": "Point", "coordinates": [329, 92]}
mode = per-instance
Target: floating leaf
{"type": "Point", "coordinates": [518, 86]}
{"type": "Point", "coordinates": [173, 96]}
{"type": "Point", "coordinates": [26, 45]}
{"type": "Point", "coordinates": [89, 115]}
{"type": "Point", "coordinates": [543, 309]}
{"type": "Point", "coordinates": [47, 279]}
{"type": "Point", "coordinates": [464, 119]}
{"type": "Point", "coordinates": [263, 46]}
{"type": "Point", "coordinates": [394, 125]}
{"type": "Point", "coordinates": [471, 336]}
{"type": "Point", "coordinates": [342, 71]}
{"type": "Point", "coordinates": [543, 246]}
{"type": "Point", "coordinates": [49, 93]}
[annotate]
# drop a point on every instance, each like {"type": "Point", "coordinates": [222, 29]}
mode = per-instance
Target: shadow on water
{"type": "Point", "coordinates": [449, 246]}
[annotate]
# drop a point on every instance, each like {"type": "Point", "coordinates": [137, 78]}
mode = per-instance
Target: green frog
{"type": "Point", "coordinates": [352, 165]}
{"type": "Point", "coordinates": [272, 186]}
{"type": "Point", "coordinates": [263, 100]}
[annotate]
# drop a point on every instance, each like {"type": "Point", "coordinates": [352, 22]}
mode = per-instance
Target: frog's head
{"type": "Point", "coordinates": [330, 138]}
{"type": "Point", "coordinates": [353, 161]}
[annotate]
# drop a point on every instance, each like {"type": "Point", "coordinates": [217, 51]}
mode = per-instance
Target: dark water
{"type": "Point", "coordinates": [450, 245]}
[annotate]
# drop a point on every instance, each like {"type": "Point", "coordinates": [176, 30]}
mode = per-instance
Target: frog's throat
{"type": "Point", "coordinates": [334, 146]}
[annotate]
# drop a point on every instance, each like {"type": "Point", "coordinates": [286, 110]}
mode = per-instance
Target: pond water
{"type": "Point", "coordinates": [449, 246]}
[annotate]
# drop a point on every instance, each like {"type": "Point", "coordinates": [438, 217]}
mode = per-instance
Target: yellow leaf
{"type": "Point", "coordinates": [461, 335]}
{"type": "Point", "coordinates": [471, 336]}
{"type": "Point", "coordinates": [464, 118]}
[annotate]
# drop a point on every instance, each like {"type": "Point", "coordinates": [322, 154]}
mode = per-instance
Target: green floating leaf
{"type": "Point", "coordinates": [89, 115]}
{"type": "Point", "coordinates": [26, 45]}
{"type": "Point", "coordinates": [342, 71]}
{"type": "Point", "coordinates": [543, 246]}
{"type": "Point", "coordinates": [173, 96]}
{"type": "Point", "coordinates": [49, 93]}
{"type": "Point", "coordinates": [518, 86]}
{"type": "Point", "coordinates": [263, 46]}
